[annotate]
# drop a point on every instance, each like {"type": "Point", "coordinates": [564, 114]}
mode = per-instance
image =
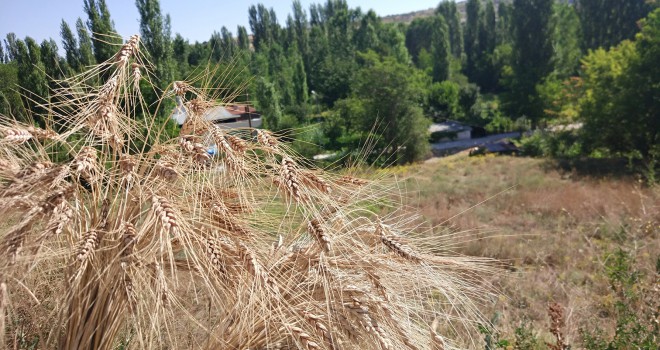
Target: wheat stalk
{"type": "Point", "coordinates": [146, 238]}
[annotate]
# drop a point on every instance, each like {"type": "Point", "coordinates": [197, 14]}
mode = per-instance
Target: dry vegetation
{"type": "Point", "coordinates": [115, 236]}
{"type": "Point", "coordinates": [558, 232]}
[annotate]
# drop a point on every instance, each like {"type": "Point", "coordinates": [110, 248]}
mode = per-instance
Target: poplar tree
{"type": "Point", "coordinates": [419, 36]}
{"type": "Point", "coordinates": [566, 40]}
{"type": "Point", "coordinates": [486, 74]}
{"type": "Point", "coordinates": [243, 38]}
{"type": "Point", "coordinates": [227, 42]}
{"type": "Point", "coordinates": [11, 43]}
{"type": "Point", "coordinates": [156, 38]}
{"type": "Point", "coordinates": [605, 23]}
{"type": "Point", "coordinates": [440, 49]}
{"type": "Point", "coordinates": [86, 55]}
{"type": "Point", "coordinates": [70, 45]}
{"type": "Point", "coordinates": [31, 73]}
{"type": "Point", "coordinates": [51, 59]}
{"type": "Point", "coordinates": [471, 37]}
{"type": "Point", "coordinates": [263, 25]}
{"type": "Point", "coordinates": [301, 30]}
{"type": "Point", "coordinates": [449, 11]}
{"type": "Point", "coordinates": [180, 50]}
{"type": "Point", "coordinates": [532, 55]}
{"type": "Point", "coordinates": [106, 39]}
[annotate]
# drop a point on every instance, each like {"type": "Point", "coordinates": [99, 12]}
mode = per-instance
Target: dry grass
{"type": "Point", "coordinates": [137, 240]}
{"type": "Point", "coordinates": [554, 230]}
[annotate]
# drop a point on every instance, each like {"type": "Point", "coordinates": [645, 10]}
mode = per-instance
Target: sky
{"type": "Point", "coordinates": [195, 20]}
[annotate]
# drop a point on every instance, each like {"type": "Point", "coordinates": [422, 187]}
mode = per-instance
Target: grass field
{"type": "Point", "coordinates": [589, 244]}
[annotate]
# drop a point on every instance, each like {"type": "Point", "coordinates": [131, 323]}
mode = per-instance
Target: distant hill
{"type": "Point", "coordinates": [410, 16]}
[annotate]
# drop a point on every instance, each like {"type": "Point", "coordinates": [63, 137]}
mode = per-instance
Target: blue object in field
{"type": "Point", "coordinates": [212, 150]}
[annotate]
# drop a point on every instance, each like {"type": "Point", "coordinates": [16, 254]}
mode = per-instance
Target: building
{"type": "Point", "coordinates": [229, 116]}
{"type": "Point", "coordinates": [449, 131]}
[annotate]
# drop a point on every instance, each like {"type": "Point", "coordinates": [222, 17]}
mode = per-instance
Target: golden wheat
{"type": "Point", "coordinates": [150, 242]}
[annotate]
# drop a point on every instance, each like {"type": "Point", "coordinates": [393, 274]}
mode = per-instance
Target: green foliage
{"type": "Point", "coordinates": [621, 105]}
{"type": "Point", "coordinates": [444, 100]}
{"type": "Point", "coordinates": [70, 45]}
{"type": "Point", "coordinates": [268, 103]}
{"type": "Point", "coordinates": [31, 74]}
{"type": "Point", "coordinates": [607, 22]}
{"type": "Point", "coordinates": [263, 24]}
{"type": "Point", "coordinates": [491, 336]}
{"type": "Point", "coordinates": [449, 11]}
{"type": "Point", "coordinates": [103, 31]}
{"type": "Point", "coordinates": [560, 144]}
{"type": "Point", "coordinates": [485, 74]}
{"type": "Point", "coordinates": [419, 37]}
{"type": "Point", "coordinates": [10, 99]}
{"type": "Point", "coordinates": [566, 40]}
{"type": "Point", "coordinates": [504, 23]}
{"type": "Point", "coordinates": [471, 37]}
{"type": "Point", "coordinates": [156, 37]}
{"type": "Point", "coordinates": [526, 338]}
{"type": "Point", "coordinates": [561, 98]}
{"type": "Point", "coordinates": [85, 52]}
{"type": "Point", "coordinates": [11, 45]}
{"type": "Point", "coordinates": [532, 56]}
{"type": "Point", "coordinates": [635, 326]}
{"type": "Point", "coordinates": [440, 49]}
{"type": "Point", "coordinates": [51, 60]}
{"type": "Point", "coordinates": [386, 95]}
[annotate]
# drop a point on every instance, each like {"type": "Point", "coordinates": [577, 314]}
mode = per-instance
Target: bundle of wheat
{"type": "Point", "coordinates": [143, 239]}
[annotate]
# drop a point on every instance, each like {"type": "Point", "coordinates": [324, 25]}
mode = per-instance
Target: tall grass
{"type": "Point", "coordinates": [143, 241]}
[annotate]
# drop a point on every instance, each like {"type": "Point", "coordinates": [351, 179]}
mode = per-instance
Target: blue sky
{"type": "Point", "coordinates": [194, 19]}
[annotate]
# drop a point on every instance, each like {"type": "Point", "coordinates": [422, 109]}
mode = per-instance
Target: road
{"type": "Point", "coordinates": [445, 148]}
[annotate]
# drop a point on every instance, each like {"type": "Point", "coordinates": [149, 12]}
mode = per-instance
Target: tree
{"type": "Point", "coordinates": [156, 38]}
{"type": "Point", "coordinates": [621, 104]}
{"type": "Point", "coordinates": [106, 39]}
{"type": "Point", "coordinates": [228, 44]}
{"type": "Point", "coordinates": [31, 74]}
{"type": "Point", "coordinates": [471, 37]}
{"type": "Point", "coordinates": [366, 37]}
{"type": "Point", "coordinates": [299, 79]}
{"type": "Point", "coordinates": [392, 42]}
{"type": "Point", "coordinates": [301, 30]}
{"type": "Point", "coordinates": [566, 40]}
{"type": "Point", "coordinates": [243, 38]}
{"type": "Point", "coordinates": [2, 54]}
{"type": "Point", "coordinates": [532, 56]}
{"type": "Point", "coordinates": [180, 50]}
{"type": "Point", "coordinates": [449, 11]}
{"type": "Point", "coordinates": [607, 22]}
{"type": "Point", "coordinates": [263, 24]}
{"type": "Point", "coordinates": [51, 59]}
{"type": "Point", "coordinates": [390, 92]}
{"type": "Point", "coordinates": [70, 45]}
{"type": "Point", "coordinates": [504, 23]}
{"type": "Point", "coordinates": [268, 103]}
{"type": "Point", "coordinates": [84, 45]}
{"type": "Point", "coordinates": [485, 74]}
{"type": "Point", "coordinates": [443, 100]}
{"type": "Point", "coordinates": [440, 49]}
{"type": "Point", "coordinates": [419, 35]}
{"type": "Point", "coordinates": [11, 45]}
{"type": "Point", "coordinates": [10, 99]}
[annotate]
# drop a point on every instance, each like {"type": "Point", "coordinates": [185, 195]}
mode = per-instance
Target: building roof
{"type": "Point", "coordinates": [216, 114]}
{"type": "Point", "coordinates": [449, 126]}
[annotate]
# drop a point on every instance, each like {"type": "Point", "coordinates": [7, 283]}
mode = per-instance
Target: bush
{"type": "Point", "coordinates": [636, 308]}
